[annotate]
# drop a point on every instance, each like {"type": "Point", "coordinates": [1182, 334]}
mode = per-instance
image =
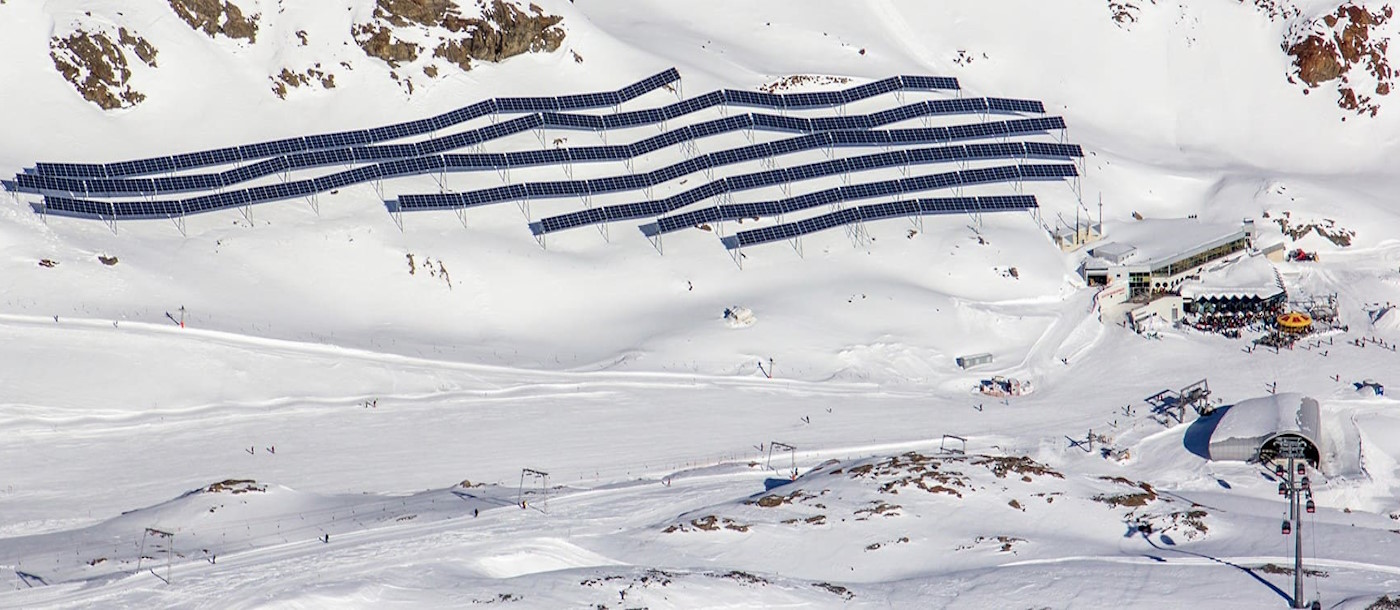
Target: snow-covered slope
{"type": "Point", "coordinates": [348, 366]}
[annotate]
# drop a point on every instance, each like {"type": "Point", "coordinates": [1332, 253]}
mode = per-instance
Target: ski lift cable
{"type": "Point", "coordinates": [1316, 579]}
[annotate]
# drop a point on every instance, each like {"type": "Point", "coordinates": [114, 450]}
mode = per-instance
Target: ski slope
{"type": "Point", "coordinates": [387, 384]}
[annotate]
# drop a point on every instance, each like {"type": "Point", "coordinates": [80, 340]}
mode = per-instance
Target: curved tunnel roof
{"type": "Point", "coordinates": [1246, 428]}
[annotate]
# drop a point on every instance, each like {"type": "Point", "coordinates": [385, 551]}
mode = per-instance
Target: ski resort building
{"type": "Point", "coordinates": [1146, 265]}
{"type": "Point", "coordinates": [1250, 431]}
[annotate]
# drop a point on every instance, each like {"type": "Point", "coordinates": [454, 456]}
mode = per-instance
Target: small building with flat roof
{"type": "Point", "coordinates": [1158, 255]}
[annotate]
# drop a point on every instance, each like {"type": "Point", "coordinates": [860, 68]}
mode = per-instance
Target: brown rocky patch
{"type": "Point", "coordinates": [214, 17]}
{"type": "Point", "coordinates": [1128, 499]}
{"type": "Point", "coordinates": [1326, 228]}
{"type": "Point", "coordinates": [287, 78]}
{"type": "Point", "coordinates": [708, 523]}
{"type": "Point", "coordinates": [503, 30]}
{"type": "Point", "coordinates": [379, 41]}
{"type": "Point", "coordinates": [98, 68]}
{"type": "Point", "coordinates": [836, 590]}
{"type": "Point", "coordinates": [235, 486]}
{"type": "Point", "coordinates": [798, 80]}
{"type": "Point", "coordinates": [1022, 465]}
{"type": "Point", "coordinates": [878, 508]}
{"type": "Point", "coordinates": [1005, 543]}
{"type": "Point", "coordinates": [1332, 47]}
{"type": "Point", "coordinates": [1275, 9]}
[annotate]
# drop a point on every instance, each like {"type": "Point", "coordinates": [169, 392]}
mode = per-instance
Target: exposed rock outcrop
{"type": "Point", "coordinates": [1335, 46]}
{"type": "Point", "coordinates": [98, 67]}
{"type": "Point", "coordinates": [802, 80]}
{"type": "Point", "coordinates": [214, 17]}
{"type": "Point", "coordinates": [1125, 12]}
{"type": "Point", "coordinates": [378, 41]}
{"type": "Point", "coordinates": [502, 31]}
{"type": "Point", "coordinates": [287, 78]}
{"type": "Point", "coordinates": [437, 33]}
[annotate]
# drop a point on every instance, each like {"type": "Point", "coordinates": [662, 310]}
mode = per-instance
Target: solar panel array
{"type": "Point", "coordinates": [652, 209]}
{"type": "Point", "coordinates": [261, 150]}
{"type": "Point", "coordinates": [631, 182]}
{"type": "Point", "coordinates": [880, 211]}
{"type": "Point", "coordinates": [849, 126]}
{"type": "Point", "coordinates": [71, 189]}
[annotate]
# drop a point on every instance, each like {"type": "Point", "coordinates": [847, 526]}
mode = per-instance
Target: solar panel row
{"type": "Point", "coordinates": [260, 150]}
{"type": "Point", "coordinates": [431, 164]}
{"type": "Point", "coordinates": [357, 138]}
{"type": "Point", "coordinates": [675, 222]}
{"type": "Point", "coordinates": [632, 182]}
{"type": "Point", "coordinates": [736, 183]}
{"type": "Point", "coordinates": [183, 184]}
{"type": "Point", "coordinates": [881, 211]}
{"type": "Point", "coordinates": [1008, 173]}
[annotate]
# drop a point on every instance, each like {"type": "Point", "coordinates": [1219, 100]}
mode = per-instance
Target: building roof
{"type": "Point", "coordinates": [1249, 276]}
{"type": "Point", "coordinates": [1159, 240]}
{"type": "Point", "coordinates": [1267, 240]}
{"type": "Point", "coordinates": [1259, 419]}
{"type": "Point", "coordinates": [1113, 252]}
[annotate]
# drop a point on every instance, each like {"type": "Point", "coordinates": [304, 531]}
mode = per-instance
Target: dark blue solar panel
{"type": "Point", "coordinates": [931, 83]}
{"type": "Point", "coordinates": [421, 157]}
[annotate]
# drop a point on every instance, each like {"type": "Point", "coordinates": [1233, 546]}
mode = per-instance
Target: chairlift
{"type": "Point", "coordinates": [1306, 483]}
{"type": "Point", "coordinates": [1282, 489]}
{"type": "Point", "coordinates": [1310, 507]}
{"type": "Point", "coordinates": [1287, 528]}
{"type": "Point", "coordinates": [1279, 471]}
{"type": "Point", "coordinates": [1302, 468]}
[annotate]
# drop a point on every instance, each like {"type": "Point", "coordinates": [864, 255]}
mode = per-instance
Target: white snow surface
{"type": "Point", "coordinates": [384, 417]}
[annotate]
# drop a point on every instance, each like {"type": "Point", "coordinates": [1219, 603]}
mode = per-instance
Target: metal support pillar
{"type": "Point", "coordinates": [656, 242]}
